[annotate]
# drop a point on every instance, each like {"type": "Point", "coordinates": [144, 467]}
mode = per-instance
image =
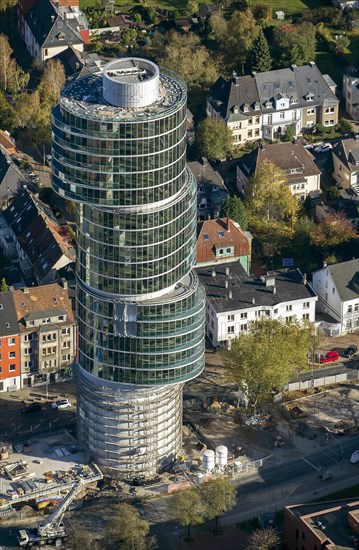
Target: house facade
{"type": "Point", "coordinates": [337, 288]}
{"type": "Point", "coordinates": [234, 299]}
{"type": "Point", "coordinates": [298, 164]}
{"type": "Point", "coordinates": [47, 330]}
{"type": "Point", "coordinates": [10, 360]}
{"type": "Point", "coordinates": [222, 241]}
{"type": "Point", "coordinates": [266, 105]}
{"type": "Point", "coordinates": [346, 163]}
{"type": "Point", "coordinates": [351, 93]}
{"type": "Point", "coordinates": [48, 29]}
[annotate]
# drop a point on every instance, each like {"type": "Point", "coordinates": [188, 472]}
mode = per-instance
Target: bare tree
{"type": "Point", "coordinates": [264, 539]}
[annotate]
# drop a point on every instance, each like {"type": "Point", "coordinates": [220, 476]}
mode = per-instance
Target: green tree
{"type": "Point", "coordinates": [264, 539]}
{"type": "Point", "coordinates": [3, 285]}
{"type": "Point", "coordinates": [191, 7]}
{"type": "Point", "coordinates": [214, 138]}
{"type": "Point", "coordinates": [295, 44]}
{"type": "Point", "coordinates": [184, 54]}
{"type": "Point", "coordinates": [52, 80]}
{"type": "Point", "coordinates": [260, 57]}
{"type": "Point", "coordinates": [236, 35]}
{"type": "Point", "coordinates": [218, 496]}
{"type": "Point", "coordinates": [6, 66]}
{"type": "Point", "coordinates": [234, 209]}
{"type": "Point", "coordinates": [289, 133]}
{"type": "Point", "coordinates": [269, 198]}
{"type": "Point", "coordinates": [267, 356]}
{"type": "Point", "coordinates": [333, 230]}
{"type": "Point", "coordinates": [8, 120]}
{"type": "Point", "coordinates": [333, 193]}
{"type": "Point", "coordinates": [80, 539]}
{"type": "Point", "coordinates": [126, 530]}
{"type": "Point", "coordinates": [262, 12]}
{"type": "Point", "coordinates": [5, 4]}
{"type": "Point", "coordinates": [186, 508]}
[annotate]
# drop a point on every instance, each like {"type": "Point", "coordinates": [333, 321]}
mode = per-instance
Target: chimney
{"type": "Point", "coordinates": [253, 301]}
{"type": "Point", "coordinates": [64, 283]}
{"type": "Point", "coordinates": [25, 290]}
{"type": "Point", "coordinates": [274, 290]}
{"type": "Point", "coordinates": [325, 264]}
{"type": "Point", "coordinates": [262, 145]}
{"type": "Point", "coordinates": [227, 271]}
{"type": "Point", "coordinates": [294, 66]}
{"type": "Point", "coordinates": [213, 272]}
{"type": "Point", "coordinates": [230, 295]}
{"type": "Point", "coordinates": [304, 279]}
{"type": "Point", "coordinates": [226, 284]}
{"type": "Point", "coordinates": [227, 224]}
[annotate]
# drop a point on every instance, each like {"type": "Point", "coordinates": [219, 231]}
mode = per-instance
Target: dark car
{"type": "Point", "coordinates": [31, 407]}
{"type": "Point", "coordinates": [350, 351]}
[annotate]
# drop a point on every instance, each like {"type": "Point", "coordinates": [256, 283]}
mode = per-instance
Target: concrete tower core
{"type": "Point", "coordinates": [118, 152]}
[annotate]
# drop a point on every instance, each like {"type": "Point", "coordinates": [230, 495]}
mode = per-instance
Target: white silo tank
{"type": "Point", "coordinates": [199, 478]}
{"type": "Point", "coordinates": [208, 460]}
{"type": "Point", "coordinates": [221, 456]}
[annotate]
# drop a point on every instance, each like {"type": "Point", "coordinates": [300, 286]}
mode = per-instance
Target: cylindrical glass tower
{"type": "Point", "coordinates": [119, 144]}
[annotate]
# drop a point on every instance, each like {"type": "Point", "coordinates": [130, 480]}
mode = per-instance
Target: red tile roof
{"type": "Point", "coordinates": [220, 233]}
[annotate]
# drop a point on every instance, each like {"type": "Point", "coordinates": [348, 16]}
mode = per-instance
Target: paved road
{"type": "Point", "coordinates": [275, 486]}
{"type": "Point", "coordinates": [350, 368]}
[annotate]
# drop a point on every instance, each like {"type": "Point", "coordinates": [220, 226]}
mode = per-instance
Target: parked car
{"type": "Point", "coordinates": [309, 146]}
{"type": "Point", "coordinates": [31, 407]}
{"type": "Point", "coordinates": [48, 160]}
{"type": "Point", "coordinates": [323, 148]}
{"type": "Point", "coordinates": [354, 459]}
{"type": "Point", "coordinates": [350, 351]}
{"type": "Point", "coordinates": [61, 404]}
{"type": "Point", "coordinates": [329, 357]}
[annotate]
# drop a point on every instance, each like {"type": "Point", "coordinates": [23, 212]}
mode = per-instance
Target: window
{"type": "Point", "coordinates": [46, 321]}
{"type": "Point", "coordinates": [0, 369]}
{"type": "Point", "coordinates": [65, 344]}
{"type": "Point", "coordinates": [61, 318]}
{"type": "Point", "coordinates": [228, 250]}
{"type": "Point", "coordinates": [306, 316]}
{"type": "Point", "coordinates": [269, 119]}
{"type": "Point", "coordinates": [243, 315]}
{"type": "Point", "coordinates": [27, 337]}
{"type": "Point", "coordinates": [12, 354]}
{"type": "Point", "coordinates": [257, 119]}
{"type": "Point", "coordinates": [294, 115]}
{"type": "Point", "coordinates": [221, 251]}
{"type": "Point", "coordinates": [282, 115]}
{"type": "Point", "coordinates": [256, 132]}
{"type": "Point", "coordinates": [276, 310]}
{"type": "Point", "coordinates": [28, 351]}
{"type": "Point", "coordinates": [288, 307]}
{"type": "Point", "coordinates": [333, 290]}
{"type": "Point", "coordinates": [11, 341]}
{"type": "Point", "coordinates": [65, 330]}
{"type": "Point", "coordinates": [350, 309]}
{"type": "Point", "coordinates": [230, 318]}
{"type": "Point", "coordinates": [306, 305]}
{"type": "Point", "coordinates": [65, 357]}
{"type": "Point", "coordinates": [244, 327]}
{"type": "Point", "coordinates": [310, 111]}
{"type": "Point", "coordinates": [326, 296]}
{"type": "Point", "coordinates": [355, 309]}
{"type": "Point", "coordinates": [230, 329]}
{"type": "Point", "coordinates": [28, 364]}
{"type": "Point", "coordinates": [12, 367]}
{"type": "Point", "coordinates": [329, 110]}
{"type": "Point", "coordinates": [289, 319]}
{"type": "Point", "coordinates": [250, 133]}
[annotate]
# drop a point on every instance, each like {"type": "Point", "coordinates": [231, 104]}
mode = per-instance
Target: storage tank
{"type": "Point", "coordinates": [221, 456]}
{"type": "Point", "coordinates": [199, 478]}
{"type": "Point", "coordinates": [208, 460]}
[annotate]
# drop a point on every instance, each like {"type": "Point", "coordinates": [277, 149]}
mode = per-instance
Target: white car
{"type": "Point", "coordinates": [323, 148]}
{"type": "Point", "coordinates": [48, 160]}
{"type": "Point", "coordinates": [61, 404]}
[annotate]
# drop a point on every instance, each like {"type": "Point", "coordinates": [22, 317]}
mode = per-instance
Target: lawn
{"type": "Point", "coordinates": [291, 7]}
{"type": "Point", "coordinates": [126, 5]}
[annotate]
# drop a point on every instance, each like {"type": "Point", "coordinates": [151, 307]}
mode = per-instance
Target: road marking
{"type": "Point", "coordinates": [37, 426]}
{"type": "Point", "coordinates": [329, 453]}
{"type": "Point", "coordinates": [318, 468]}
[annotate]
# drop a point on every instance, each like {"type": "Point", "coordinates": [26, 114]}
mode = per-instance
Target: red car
{"type": "Point", "coordinates": [329, 357]}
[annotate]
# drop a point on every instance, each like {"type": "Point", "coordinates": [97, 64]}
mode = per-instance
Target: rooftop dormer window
{"type": "Point", "coordinates": [245, 108]}
{"type": "Point", "coordinates": [309, 97]}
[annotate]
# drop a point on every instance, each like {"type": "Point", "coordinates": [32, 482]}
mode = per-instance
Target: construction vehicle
{"type": "Point", "coordinates": [53, 530]}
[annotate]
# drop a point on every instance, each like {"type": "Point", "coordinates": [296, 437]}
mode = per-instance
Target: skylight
{"type": "Point", "coordinates": [205, 237]}
{"type": "Point", "coordinates": [221, 234]}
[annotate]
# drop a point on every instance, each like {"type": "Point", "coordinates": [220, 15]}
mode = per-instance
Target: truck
{"type": "Point", "coordinates": [53, 530]}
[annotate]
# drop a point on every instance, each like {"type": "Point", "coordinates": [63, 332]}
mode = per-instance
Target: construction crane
{"type": "Point", "coordinates": [53, 530]}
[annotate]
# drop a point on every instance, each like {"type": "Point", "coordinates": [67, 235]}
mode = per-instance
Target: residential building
{"type": "Point", "coordinates": [351, 92]}
{"type": "Point", "coordinates": [140, 306]}
{"type": "Point", "coordinates": [10, 360]}
{"type": "Point", "coordinates": [346, 4]}
{"type": "Point", "coordinates": [206, 10]}
{"type": "Point", "coordinates": [122, 21]}
{"type": "Point", "coordinates": [337, 287]}
{"type": "Point", "coordinates": [265, 105]}
{"type": "Point", "coordinates": [42, 246]}
{"type": "Point", "coordinates": [47, 331]}
{"type": "Point", "coordinates": [298, 164]}
{"type": "Point", "coordinates": [346, 163]}
{"type": "Point", "coordinates": [50, 28]}
{"type": "Point", "coordinates": [234, 299]}
{"type": "Point", "coordinates": [329, 525]}
{"type": "Point", "coordinates": [10, 179]}
{"type": "Point", "coordinates": [7, 143]}
{"type": "Point", "coordinates": [236, 102]}
{"type": "Point", "coordinates": [222, 241]}
{"type": "Point", "coordinates": [335, 210]}
{"type": "Point", "coordinates": [211, 191]}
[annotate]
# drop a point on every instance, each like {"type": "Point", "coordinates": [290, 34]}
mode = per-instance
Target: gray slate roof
{"type": "Point", "coordinates": [347, 150]}
{"type": "Point", "coordinates": [289, 286]}
{"type": "Point", "coordinates": [346, 279]}
{"type": "Point", "coordinates": [40, 314]}
{"type": "Point", "coordinates": [48, 27]}
{"type": "Point", "coordinates": [8, 315]}
{"type": "Point", "coordinates": [9, 177]}
{"type": "Point", "coordinates": [295, 82]}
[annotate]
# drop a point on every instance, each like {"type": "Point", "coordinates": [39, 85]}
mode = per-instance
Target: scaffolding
{"type": "Point", "coordinates": [130, 432]}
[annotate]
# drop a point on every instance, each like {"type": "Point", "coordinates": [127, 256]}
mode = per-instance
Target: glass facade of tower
{"type": "Point", "coordinates": [140, 308]}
